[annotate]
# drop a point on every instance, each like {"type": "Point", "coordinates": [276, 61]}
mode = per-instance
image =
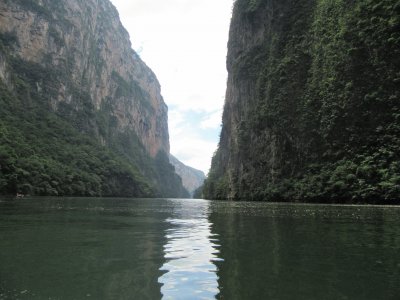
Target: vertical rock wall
{"type": "Point", "coordinates": [88, 46]}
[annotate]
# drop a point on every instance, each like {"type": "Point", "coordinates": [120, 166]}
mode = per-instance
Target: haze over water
{"type": "Point", "coordinates": [88, 248]}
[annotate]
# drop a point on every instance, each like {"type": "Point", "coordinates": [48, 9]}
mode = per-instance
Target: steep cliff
{"type": "Point", "coordinates": [69, 76]}
{"type": "Point", "coordinates": [312, 103]}
{"type": "Point", "coordinates": [192, 178]}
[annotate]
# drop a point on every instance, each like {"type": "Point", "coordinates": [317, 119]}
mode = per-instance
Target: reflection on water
{"type": "Point", "coordinates": [307, 252]}
{"type": "Point", "coordinates": [81, 248]}
{"type": "Point", "coordinates": [87, 248]}
{"type": "Point", "coordinates": [190, 253]}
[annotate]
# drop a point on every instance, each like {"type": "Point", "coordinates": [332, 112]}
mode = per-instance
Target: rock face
{"type": "Point", "coordinates": [75, 58]}
{"type": "Point", "coordinates": [85, 40]}
{"type": "Point", "coordinates": [312, 103]}
{"type": "Point", "coordinates": [192, 178]}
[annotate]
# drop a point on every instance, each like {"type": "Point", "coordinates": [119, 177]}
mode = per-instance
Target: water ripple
{"type": "Point", "coordinates": [190, 252]}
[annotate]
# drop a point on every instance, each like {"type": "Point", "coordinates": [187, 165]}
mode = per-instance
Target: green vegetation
{"type": "Point", "coordinates": [132, 89]}
{"type": "Point", "coordinates": [50, 146]}
{"type": "Point", "coordinates": [41, 154]}
{"type": "Point", "coordinates": [324, 118]}
{"type": "Point", "coordinates": [198, 193]}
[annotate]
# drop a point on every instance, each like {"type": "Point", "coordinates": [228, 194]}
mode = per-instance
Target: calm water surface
{"type": "Point", "coordinates": [80, 248]}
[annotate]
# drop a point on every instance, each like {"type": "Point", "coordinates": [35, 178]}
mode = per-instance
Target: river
{"type": "Point", "coordinates": [99, 248]}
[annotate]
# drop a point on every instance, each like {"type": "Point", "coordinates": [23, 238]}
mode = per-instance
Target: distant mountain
{"type": "Point", "coordinates": [192, 178]}
{"type": "Point", "coordinates": [81, 114]}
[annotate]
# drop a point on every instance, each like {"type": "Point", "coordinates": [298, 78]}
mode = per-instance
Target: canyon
{"type": "Point", "coordinates": [72, 63]}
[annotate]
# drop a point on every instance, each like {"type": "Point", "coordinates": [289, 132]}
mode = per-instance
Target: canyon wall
{"type": "Point", "coordinates": [312, 103]}
{"type": "Point", "coordinates": [74, 59]}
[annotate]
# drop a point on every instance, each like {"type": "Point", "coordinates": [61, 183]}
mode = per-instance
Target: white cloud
{"type": "Point", "coordinates": [176, 122]}
{"type": "Point", "coordinates": [194, 151]}
{"type": "Point", "coordinates": [191, 145]}
{"type": "Point", "coordinates": [184, 42]}
{"type": "Point", "coordinates": [212, 120]}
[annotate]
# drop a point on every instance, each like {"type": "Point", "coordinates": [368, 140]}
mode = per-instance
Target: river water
{"type": "Point", "coordinates": [88, 248]}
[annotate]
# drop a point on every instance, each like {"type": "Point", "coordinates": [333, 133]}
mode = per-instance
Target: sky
{"type": "Point", "coordinates": [184, 42]}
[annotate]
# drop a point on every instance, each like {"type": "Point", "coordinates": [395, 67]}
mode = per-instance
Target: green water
{"type": "Point", "coordinates": [55, 248]}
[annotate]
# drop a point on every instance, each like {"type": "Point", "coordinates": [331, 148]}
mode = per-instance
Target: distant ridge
{"type": "Point", "coordinates": [192, 178]}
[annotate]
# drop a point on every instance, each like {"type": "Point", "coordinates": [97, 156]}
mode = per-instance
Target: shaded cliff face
{"type": "Point", "coordinates": [312, 103]}
{"type": "Point", "coordinates": [192, 178]}
{"type": "Point", "coordinates": [86, 43]}
{"type": "Point", "coordinates": [86, 112]}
